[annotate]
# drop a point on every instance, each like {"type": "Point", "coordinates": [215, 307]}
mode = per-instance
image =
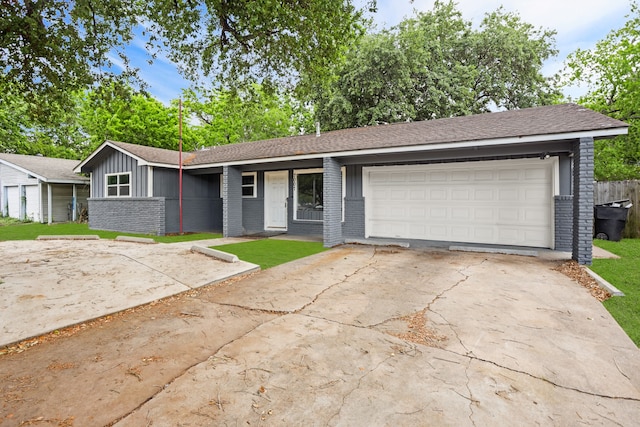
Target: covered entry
{"type": "Point", "coordinates": [504, 202]}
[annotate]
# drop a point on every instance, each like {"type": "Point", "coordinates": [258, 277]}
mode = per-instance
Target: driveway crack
{"type": "Point", "coordinates": [471, 356]}
{"type": "Point", "coordinates": [469, 353]}
{"type": "Point", "coordinates": [346, 395]}
{"type": "Point", "coordinates": [184, 371]}
{"type": "Point", "coordinates": [340, 282]}
{"type": "Point", "coordinates": [472, 401]}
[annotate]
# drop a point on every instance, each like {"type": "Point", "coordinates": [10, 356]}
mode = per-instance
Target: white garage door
{"type": "Point", "coordinates": [13, 201]}
{"type": "Point", "coordinates": [505, 202]}
{"type": "Point", "coordinates": [33, 202]}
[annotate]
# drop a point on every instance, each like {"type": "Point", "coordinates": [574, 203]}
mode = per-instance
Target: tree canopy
{"type": "Point", "coordinates": [53, 48]}
{"type": "Point", "coordinates": [230, 116]}
{"type": "Point", "coordinates": [437, 65]}
{"type": "Point", "coordinates": [612, 73]}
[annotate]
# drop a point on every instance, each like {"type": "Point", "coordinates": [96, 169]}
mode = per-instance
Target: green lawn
{"type": "Point", "coordinates": [268, 253]}
{"type": "Point", "coordinates": [624, 274]}
{"type": "Point", "coordinates": [16, 230]}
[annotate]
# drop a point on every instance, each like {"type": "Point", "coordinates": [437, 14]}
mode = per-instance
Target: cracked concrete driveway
{"type": "Point", "coordinates": [48, 285]}
{"type": "Point", "coordinates": [352, 336]}
{"type": "Point", "coordinates": [519, 343]}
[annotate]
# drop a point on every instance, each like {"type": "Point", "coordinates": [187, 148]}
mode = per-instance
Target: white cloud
{"type": "Point", "coordinates": [565, 16]}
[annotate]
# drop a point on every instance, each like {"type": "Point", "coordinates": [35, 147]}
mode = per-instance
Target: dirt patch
{"type": "Point", "coordinates": [418, 331]}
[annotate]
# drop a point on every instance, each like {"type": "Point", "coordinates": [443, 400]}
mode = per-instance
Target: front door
{"type": "Point", "coordinates": [276, 191]}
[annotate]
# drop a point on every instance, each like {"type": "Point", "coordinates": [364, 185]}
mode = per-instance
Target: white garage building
{"type": "Point", "coordinates": [41, 189]}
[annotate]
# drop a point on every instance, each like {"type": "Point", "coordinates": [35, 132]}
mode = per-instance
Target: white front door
{"type": "Point", "coordinates": [276, 191]}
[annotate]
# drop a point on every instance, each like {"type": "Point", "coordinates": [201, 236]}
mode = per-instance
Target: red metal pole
{"type": "Point", "coordinates": [180, 160]}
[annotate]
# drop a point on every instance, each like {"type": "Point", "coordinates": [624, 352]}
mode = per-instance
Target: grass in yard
{"type": "Point", "coordinates": [624, 274]}
{"type": "Point", "coordinates": [268, 253]}
{"type": "Point", "coordinates": [16, 230]}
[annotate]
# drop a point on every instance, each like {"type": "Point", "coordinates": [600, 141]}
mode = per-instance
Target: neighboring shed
{"type": "Point", "coordinates": [516, 178]}
{"type": "Point", "coordinates": [41, 189]}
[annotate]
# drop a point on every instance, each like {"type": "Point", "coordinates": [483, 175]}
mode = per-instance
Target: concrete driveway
{"type": "Point", "coordinates": [508, 340]}
{"type": "Point", "coordinates": [49, 284]}
{"type": "Point", "coordinates": [362, 336]}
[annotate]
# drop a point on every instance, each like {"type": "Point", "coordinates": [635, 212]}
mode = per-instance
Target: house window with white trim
{"type": "Point", "coordinates": [118, 184]}
{"type": "Point", "coordinates": [308, 195]}
{"type": "Point", "coordinates": [249, 184]}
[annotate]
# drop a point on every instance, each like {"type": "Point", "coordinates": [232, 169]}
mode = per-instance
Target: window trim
{"type": "Point", "coordinates": [296, 172]}
{"type": "Point", "coordinates": [118, 185]}
{"type": "Point", "coordinates": [253, 186]}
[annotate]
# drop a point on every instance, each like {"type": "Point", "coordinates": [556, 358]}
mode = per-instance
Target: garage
{"type": "Point", "coordinates": [13, 201]}
{"type": "Point", "coordinates": [502, 202]}
{"type": "Point", "coordinates": [23, 202]}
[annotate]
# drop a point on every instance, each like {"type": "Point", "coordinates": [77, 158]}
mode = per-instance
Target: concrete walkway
{"type": "Point", "coordinates": [47, 285]}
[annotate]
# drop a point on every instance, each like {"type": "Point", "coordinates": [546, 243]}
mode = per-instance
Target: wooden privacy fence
{"type": "Point", "coordinates": [610, 191]}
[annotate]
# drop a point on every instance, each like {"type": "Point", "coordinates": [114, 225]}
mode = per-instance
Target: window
{"type": "Point", "coordinates": [308, 195]}
{"type": "Point", "coordinates": [249, 184]}
{"type": "Point", "coordinates": [118, 184]}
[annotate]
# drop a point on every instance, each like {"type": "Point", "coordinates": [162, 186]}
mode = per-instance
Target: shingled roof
{"type": "Point", "coordinates": [47, 169]}
{"type": "Point", "coordinates": [556, 122]}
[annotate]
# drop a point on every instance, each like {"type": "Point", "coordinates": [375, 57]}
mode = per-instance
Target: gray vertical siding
{"type": "Point", "coordinates": [253, 208]}
{"type": "Point", "coordinates": [201, 203]}
{"type": "Point", "coordinates": [166, 183]}
{"type": "Point", "coordinates": [354, 220]}
{"type": "Point", "coordinates": [564, 177]}
{"type": "Point", "coordinates": [583, 200]}
{"type": "Point", "coordinates": [117, 162]}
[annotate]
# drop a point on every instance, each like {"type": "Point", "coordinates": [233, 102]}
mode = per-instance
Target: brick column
{"type": "Point", "coordinates": [332, 203]}
{"type": "Point", "coordinates": [232, 202]}
{"type": "Point", "coordinates": [563, 207]}
{"type": "Point", "coordinates": [583, 188]}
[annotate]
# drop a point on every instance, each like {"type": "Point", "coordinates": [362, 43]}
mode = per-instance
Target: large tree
{"type": "Point", "coordinates": [56, 47]}
{"type": "Point", "coordinates": [60, 136]}
{"type": "Point", "coordinates": [119, 113]}
{"type": "Point", "coordinates": [250, 114]}
{"type": "Point", "coordinates": [611, 71]}
{"type": "Point", "coordinates": [437, 65]}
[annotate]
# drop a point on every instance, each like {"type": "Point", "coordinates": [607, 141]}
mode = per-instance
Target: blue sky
{"type": "Point", "coordinates": [578, 23]}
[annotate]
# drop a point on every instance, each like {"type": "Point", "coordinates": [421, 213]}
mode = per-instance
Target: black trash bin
{"type": "Point", "coordinates": [610, 220]}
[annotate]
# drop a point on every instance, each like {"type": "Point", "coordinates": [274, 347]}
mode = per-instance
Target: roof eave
{"type": "Point", "coordinates": [23, 170]}
{"type": "Point", "coordinates": [596, 134]}
{"type": "Point", "coordinates": [67, 181]}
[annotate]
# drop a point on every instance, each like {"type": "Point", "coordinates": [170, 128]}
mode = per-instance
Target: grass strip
{"type": "Point", "coordinates": [268, 253]}
{"type": "Point", "coordinates": [624, 274]}
{"type": "Point", "coordinates": [15, 230]}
